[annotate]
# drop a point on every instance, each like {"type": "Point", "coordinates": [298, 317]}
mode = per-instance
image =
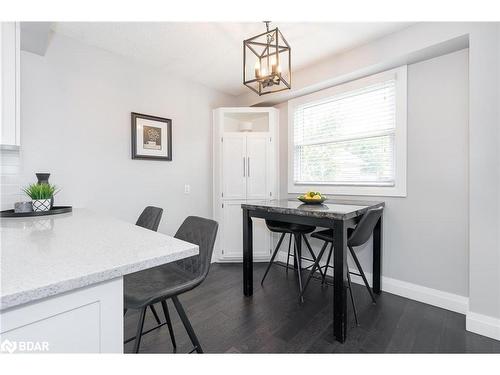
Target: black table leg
{"type": "Point", "coordinates": [247, 254]}
{"type": "Point", "coordinates": [340, 280]}
{"type": "Point", "coordinates": [377, 255]}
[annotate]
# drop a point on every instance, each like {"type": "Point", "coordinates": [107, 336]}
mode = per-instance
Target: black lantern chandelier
{"type": "Point", "coordinates": [267, 62]}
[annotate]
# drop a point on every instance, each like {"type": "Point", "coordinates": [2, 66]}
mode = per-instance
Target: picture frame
{"type": "Point", "coordinates": [151, 137]}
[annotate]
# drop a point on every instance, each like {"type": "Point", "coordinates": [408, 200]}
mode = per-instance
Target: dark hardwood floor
{"type": "Point", "coordinates": [273, 321]}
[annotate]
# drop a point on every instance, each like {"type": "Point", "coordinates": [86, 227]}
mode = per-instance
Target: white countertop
{"type": "Point", "coordinates": [45, 256]}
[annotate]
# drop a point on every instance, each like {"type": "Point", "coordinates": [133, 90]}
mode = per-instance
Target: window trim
{"type": "Point", "coordinates": [400, 139]}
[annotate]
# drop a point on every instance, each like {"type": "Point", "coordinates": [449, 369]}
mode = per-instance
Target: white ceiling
{"type": "Point", "coordinates": [211, 53]}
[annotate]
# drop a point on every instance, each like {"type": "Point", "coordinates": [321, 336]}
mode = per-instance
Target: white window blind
{"type": "Point", "coordinates": [347, 138]}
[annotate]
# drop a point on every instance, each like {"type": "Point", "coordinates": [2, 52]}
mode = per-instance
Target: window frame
{"type": "Point", "coordinates": [400, 138]}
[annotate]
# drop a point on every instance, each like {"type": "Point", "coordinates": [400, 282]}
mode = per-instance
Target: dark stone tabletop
{"type": "Point", "coordinates": [331, 208]}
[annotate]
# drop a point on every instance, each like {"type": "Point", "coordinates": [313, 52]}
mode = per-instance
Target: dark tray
{"type": "Point", "coordinates": [53, 211]}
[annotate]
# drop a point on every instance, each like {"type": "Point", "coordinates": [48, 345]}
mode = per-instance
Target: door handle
{"type": "Point", "coordinates": [248, 166]}
{"type": "Point", "coordinates": [243, 166]}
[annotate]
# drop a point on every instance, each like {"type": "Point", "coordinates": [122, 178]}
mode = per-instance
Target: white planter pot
{"type": "Point", "coordinates": [41, 205]}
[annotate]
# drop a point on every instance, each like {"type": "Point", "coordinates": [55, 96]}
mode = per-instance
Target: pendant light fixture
{"type": "Point", "coordinates": [267, 62]}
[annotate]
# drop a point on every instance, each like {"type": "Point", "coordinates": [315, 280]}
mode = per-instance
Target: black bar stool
{"type": "Point", "coordinates": [150, 219]}
{"type": "Point", "coordinates": [298, 232]}
{"type": "Point", "coordinates": [168, 281]}
{"type": "Point", "coordinates": [357, 237]}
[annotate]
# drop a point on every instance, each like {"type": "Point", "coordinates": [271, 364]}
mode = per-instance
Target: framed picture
{"type": "Point", "coordinates": [151, 137]}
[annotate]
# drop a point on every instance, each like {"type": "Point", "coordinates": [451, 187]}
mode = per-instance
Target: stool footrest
{"type": "Point", "coordinates": [143, 333]}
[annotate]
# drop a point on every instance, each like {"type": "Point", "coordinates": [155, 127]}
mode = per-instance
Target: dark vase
{"type": "Point", "coordinates": [43, 178]}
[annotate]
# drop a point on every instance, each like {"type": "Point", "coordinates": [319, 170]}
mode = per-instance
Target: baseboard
{"type": "Point", "coordinates": [445, 300]}
{"type": "Point", "coordinates": [483, 325]}
{"type": "Point", "coordinates": [435, 297]}
{"type": "Point", "coordinates": [239, 259]}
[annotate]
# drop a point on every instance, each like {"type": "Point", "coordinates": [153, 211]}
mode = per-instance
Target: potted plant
{"type": "Point", "coordinates": [41, 195]}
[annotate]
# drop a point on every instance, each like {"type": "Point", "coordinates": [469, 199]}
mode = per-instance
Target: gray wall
{"type": "Point", "coordinates": [76, 104]}
{"type": "Point", "coordinates": [426, 233]}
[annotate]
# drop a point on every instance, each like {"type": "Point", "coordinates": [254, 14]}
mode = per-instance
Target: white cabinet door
{"type": "Point", "coordinates": [232, 241]}
{"type": "Point", "coordinates": [84, 320]}
{"type": "Point", "coordinates": [257, 166]}
{"type": "Point", "coordinates": [232, 234]}
{"type": "Point", "coordinates": [9, 83]}
{"type": "Point", "coordinates": [234, 166]}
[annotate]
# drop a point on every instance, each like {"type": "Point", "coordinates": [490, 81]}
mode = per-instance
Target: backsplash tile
{"type": "Point", "coordinates": [10, 179]}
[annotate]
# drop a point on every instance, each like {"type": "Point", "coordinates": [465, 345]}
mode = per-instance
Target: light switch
{"type": "Point", "coordinates": [187, 189]}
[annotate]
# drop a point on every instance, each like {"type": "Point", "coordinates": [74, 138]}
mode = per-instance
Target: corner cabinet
{"type": "Point", "coordinates": [9, 85]}
{"type": "Point", "coordinates": [245, 155]}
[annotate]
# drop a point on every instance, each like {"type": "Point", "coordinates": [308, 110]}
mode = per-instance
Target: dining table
{"type": "Point", "coordinates": [339, 215]}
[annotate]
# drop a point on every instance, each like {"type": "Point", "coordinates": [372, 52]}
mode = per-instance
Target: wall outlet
{"type": "Point", "coordinates": [187, 189]}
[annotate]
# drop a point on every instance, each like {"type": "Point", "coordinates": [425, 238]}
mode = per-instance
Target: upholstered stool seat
{"type": "Point", "coordinates": [282, 227]}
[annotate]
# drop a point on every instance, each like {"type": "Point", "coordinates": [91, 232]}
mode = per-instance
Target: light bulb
{"type": "Point", "coordinates": [274, 65]}
{"type": "Point", "coordinates": [257, 69]}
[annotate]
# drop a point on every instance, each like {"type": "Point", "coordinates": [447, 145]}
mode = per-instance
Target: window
{"type": "Point", "coordinates": [351, 139]}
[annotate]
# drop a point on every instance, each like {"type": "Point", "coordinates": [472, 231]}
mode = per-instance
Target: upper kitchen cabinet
{"type": "Point", "coordinates": [245, 153]}
{"type": "Point", "coordinates": [9, 85]}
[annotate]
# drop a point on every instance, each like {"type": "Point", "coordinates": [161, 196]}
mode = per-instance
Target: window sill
{"type": "Point", "coordinates": [353, 190]}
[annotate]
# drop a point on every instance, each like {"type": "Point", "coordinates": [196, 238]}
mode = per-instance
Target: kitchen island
{"type": "Point", "coordinates": [61, 281]}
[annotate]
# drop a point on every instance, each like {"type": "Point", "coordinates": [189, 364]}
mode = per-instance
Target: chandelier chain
{"type": "Point", "coordinates": [269, 37]}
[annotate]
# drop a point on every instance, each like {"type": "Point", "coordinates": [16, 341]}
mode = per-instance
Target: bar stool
{"type": "Point", "coordinates": [150, 219]}
{"type": "Point", "coordinates": [298, 231]}
{"type": "Point", "coordinates": [356, 237]}
{"type": "Point", "coordinates": [169, 281]}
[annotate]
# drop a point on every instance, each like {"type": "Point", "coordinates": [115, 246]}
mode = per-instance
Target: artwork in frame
{"type": "Point", "coordinates": [151, 137]}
